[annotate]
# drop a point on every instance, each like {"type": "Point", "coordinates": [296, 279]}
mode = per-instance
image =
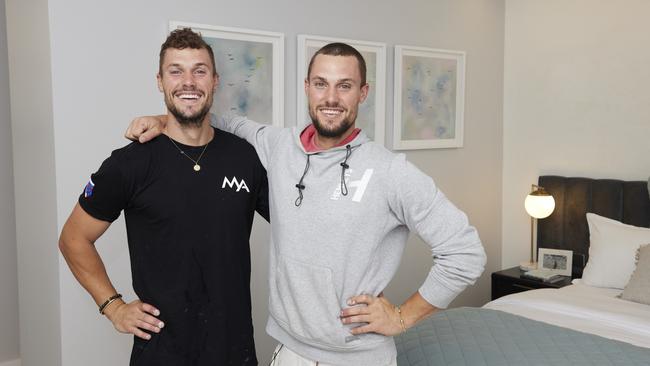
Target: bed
{"type": "Point", "coordinates": [585, 323]}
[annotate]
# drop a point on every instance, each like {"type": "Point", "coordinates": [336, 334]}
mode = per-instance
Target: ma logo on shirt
{"type": "Point", "coordinates": [359, 186]}
{"type": "Point", "coordinates": [234, 183]}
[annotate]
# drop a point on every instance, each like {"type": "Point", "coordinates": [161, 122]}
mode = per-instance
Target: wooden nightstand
{"type": "Point", "coordinates": [510, 281]}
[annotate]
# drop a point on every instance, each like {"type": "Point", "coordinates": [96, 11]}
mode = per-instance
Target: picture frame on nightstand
{"type": "Point", "coordinates": [556, 261]}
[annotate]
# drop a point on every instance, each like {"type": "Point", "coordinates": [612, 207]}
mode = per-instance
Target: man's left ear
{"type": "Point", "coordinates": [364, 92]}
{"type": "Point", "coordinates": [216, 81]}
{"type": "Point", "coordinates": [159, 82]}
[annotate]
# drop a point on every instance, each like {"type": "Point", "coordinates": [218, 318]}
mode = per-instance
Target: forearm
{"type": "Point", "coordinates": [237, 125]}
{"type": "Point", "coordinates": [415, 309]}
{"type": "Point", "coordinates": [87, 267]}
{"type": "Point", "coordinates": [77, 244]}
{"type": "Point", "coordinates": [263, 138]}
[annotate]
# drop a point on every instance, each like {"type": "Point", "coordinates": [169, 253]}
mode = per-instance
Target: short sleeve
{"type": "Point", "coordinates": [105, 196]}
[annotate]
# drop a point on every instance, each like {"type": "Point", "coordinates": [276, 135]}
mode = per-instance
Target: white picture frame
{"type": "Point", "coordinates": [248, 85]}
{"type": "Point", "coordinates": [429, 100]}
{"type": "Point", "coordinates": [372, 113]}
{"type": "Point", "coordinates": [556, 260]}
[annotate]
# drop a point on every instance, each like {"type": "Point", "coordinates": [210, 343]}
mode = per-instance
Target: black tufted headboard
{"type": "Point", "coordinates": [566, 228]}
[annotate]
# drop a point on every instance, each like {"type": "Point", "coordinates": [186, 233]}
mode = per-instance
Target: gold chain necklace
{"type": "Point", "coordinates": [197, 167]}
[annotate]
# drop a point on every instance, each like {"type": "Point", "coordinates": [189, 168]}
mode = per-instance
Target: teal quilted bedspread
{"type": "Point", "coordinates": [484, 337]}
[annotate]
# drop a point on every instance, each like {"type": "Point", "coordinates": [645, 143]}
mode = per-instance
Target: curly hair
{"type": "Point", "coordinates": [185, 38]}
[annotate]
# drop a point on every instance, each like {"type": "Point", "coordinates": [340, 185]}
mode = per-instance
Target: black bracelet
{"type": "Point", "coordinates": [108, 302]}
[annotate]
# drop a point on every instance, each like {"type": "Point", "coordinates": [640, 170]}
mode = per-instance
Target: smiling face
{"type": "Point", "coordinates": [334, 90]}
{"type": "Point", "coordinates": [188, 81]}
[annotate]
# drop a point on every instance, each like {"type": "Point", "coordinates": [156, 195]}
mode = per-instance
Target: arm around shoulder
{"type": "Point", "coordinates": [264, 138]}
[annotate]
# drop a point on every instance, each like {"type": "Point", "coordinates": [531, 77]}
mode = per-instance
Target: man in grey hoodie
{"type": "Point", "coordinates": [342, 208]}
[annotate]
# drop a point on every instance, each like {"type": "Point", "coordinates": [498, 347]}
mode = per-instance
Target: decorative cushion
{"type": "Point", "coordinates": [612, 251]}
{"type": "Point", "coordinates": [638, 289]}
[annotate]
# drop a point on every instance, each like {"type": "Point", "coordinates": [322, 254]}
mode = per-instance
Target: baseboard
{"type": "Point", "coordinates": [11, 363]}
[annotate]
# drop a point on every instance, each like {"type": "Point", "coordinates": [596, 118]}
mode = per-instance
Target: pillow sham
{"type": "Point", "coordinates": [638, 289]}
{"type": "Point", "coordinates": [612, 251]}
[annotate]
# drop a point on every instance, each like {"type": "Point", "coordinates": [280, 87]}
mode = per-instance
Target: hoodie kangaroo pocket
{"type": "Point", "coordinates": [304, 302]}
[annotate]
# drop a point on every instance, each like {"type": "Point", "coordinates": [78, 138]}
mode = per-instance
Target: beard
{"type": "Point", "coordinates": [192, 120]}
{"type": "Point", "coordinates": [336, 131]}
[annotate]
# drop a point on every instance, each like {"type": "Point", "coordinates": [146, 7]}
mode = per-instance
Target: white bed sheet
{"type": "Point", "coordinates": [583, 308]}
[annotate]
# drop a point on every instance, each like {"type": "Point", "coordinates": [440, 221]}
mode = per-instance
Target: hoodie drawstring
{"type": "Point", "coordinates": [301, 186]}
{"type": "Point", "coordinates": [344, 165]}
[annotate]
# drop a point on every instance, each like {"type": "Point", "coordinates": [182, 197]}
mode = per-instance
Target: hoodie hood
{"type": "Point", "coordinates": [360, 139]}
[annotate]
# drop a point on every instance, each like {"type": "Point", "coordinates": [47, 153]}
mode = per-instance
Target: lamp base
{"type": "Point", "coordinates": [527, 266]}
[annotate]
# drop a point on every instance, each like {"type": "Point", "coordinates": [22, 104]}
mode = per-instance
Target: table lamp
{"type": "Point", "coordinates": [539, 204]}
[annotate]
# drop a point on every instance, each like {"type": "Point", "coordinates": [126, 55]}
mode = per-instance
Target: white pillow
{"type": "Point", "coordinates": [638, 289]}
{"type": "Point", "coordinates": [612, 251]}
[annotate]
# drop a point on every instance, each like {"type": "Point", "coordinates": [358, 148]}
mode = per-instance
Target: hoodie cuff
{"type": "Point", "coordinates": [436, 294]}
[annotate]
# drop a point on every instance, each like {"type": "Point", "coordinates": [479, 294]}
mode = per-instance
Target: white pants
{"type": "Point", "coordinates": [286, 357]}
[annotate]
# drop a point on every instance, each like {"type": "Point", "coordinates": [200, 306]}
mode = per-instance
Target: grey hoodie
{"type": "Point", "coordinates": [343, 235]}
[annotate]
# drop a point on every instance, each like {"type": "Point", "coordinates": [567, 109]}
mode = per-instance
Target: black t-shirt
{"type": "Point", "coordinates": [188, 235]}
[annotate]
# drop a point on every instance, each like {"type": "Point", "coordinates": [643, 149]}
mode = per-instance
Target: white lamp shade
{"type": "Point", "coordinates": [539, 207]}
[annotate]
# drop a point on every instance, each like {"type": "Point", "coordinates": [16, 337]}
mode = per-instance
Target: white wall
{"type": "Point", "coordinates": [103, 65]}
{"type": "Point", "coordinates": [8, 272]}
{"type": "Point", "coordinates": [576, 99]}
{"type": "Point", "coordinates": [15, 362]}
{"type": "Point", "coordinates": [34, 181]}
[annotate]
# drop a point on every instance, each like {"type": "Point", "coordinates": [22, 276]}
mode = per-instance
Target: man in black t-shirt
{"type": "Point", "coordinates": [188, 198]}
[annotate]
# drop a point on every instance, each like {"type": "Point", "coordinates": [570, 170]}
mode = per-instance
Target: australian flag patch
{"type": "Point", "coordinates": [88, 191]}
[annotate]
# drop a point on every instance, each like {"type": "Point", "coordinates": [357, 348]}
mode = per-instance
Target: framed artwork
{"type": "Point", "coordinates": [250, 64]}
{"type": "Point", "coordinates": [371, 116]}
{"type": "Point", "coordinates": [555, 260]}
{"type": "Point", "coordinates": [429, 98]}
